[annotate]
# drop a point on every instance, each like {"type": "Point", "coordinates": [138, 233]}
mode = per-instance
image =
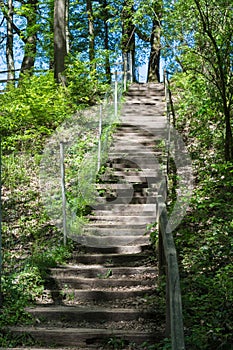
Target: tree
{"type": "Point", "coordinates": [30, 40]}
{"type": "Point", "coordinates": [155, 44]}
{"type": "Point", "coordinates": [28, 35]}
{"type": "Point", "coordinates": [148, 19]}
{"type": "Point", "coordinates": [199, 34]}
{"type": "Point", "coordinates": [10, 44]}
{"type": "Point", "coordinates": [104, 16]}
{"type": "Point", "coordinates": [128, 32]}
{"type": "Point", "coordinates": [60, 45]}
{"type": "Point", "coordinates": [91, 31]}
{"type": "Point", "coordinates": [99, 30]}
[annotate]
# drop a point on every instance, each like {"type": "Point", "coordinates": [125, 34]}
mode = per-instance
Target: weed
{"type": "Point", "coordinates": [116, 343]}
{"type": "Point", "coordinates": [105, 275]}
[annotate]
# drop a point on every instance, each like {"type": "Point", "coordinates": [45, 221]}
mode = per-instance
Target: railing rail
{"type": "Point", "coordinates": [168, 262]}
{"type": "Point", "coordinates": [119, 79]}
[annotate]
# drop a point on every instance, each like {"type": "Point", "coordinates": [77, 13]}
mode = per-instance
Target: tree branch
{"type": "Point", "coordinates": [142, 36]}
{"type": "Point", "coordinates": [15, 28]}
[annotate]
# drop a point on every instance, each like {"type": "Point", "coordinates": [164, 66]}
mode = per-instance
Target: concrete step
{"type": "Point", "coordinates": [108, 223]}
{"type": "Point", "coordinates": [134, 249]}
{"type": "Point", "coordinates": [114, 187]}
{"type": "Point", "coordinates": [145, 100]}
{"type": "Point", "coordinates": [109, 241]}
{"type": "Point", "coordinates": [159, 119]}
{"type": "Point", "coordinates": [142, 139]}
{"type": "Point", "coordinates": [83, 336]}
{"type": "Point", "coordinates": [151, 170]}
{"type": "Point", "coordinates": [73, 314]}
{"type": "Point", "coordinates": [107, 202]}
{"type": "Point", "coordinates": [73, 296]}
{"type": "Point", "coordinates": [156, 134]}
{"type": "Point", "coordinates": [141, 150]}
{"type": "Point", "coordinates": [145, 93]}
{"type": "Point", "coordinates": [125, 186]}
{"type": "Point", "coordinates": [105, 230]}
{"type": "Point", "coordinates": [135, 157]}
{"type": "Point", "coordinates": [130, 208]}
{"type": "Point", "coordinates": [139, 111]}
{"type": "Point", "coordinates": [135, 132]}
{"type": "Point", "coordinates": [128, 190]}
{"type": "Point", "coordinates": [116, 212]}
{"type": "Point", "coordinates": [111, 259]}
{"type": "Point", "coordinates": [129, 128]}
{"type": "Point", "coordinates": [146, 124]}
{"type": "Point", "coordinates": [93, 271]}
{"type": "Point", "coordinates": [99, 282]}
{"type": "Point", "coordinates": [117, 176]}
{"type": "Point", "coordinates": [123, 219]}
{"type": "Point", "coordinates": [142, 121]}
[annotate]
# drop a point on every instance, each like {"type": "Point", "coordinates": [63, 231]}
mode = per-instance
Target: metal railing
{"type": "Point", "coordinates": [119, 80]}
{"type": "Point", "coordinates": [168, 263]}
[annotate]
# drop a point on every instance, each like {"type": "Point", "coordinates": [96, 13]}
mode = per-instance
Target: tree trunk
{"type": "Point", "coordinates": [128, 33]}
{"type": "Point", "coordinates": [228, 137]}
{"type": "Point", "coordinates": [10, 45]}
{"type": "Point", "coordinates": [60, 48]}
{"type": "Point", "coordinates": [51, 32]}
{"type": "Point", "coordinates": [67, 27]}
{"type": "Point", "coordinates": [30, 40]}
{"type": "Point", "coordinates": [106, 42]}
{"type": "Point", "coordinates": [91, 31]}
{"type": "Point", "coordinates": [154, 61]}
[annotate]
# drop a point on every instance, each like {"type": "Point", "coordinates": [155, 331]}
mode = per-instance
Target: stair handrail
{"type": "Point", "coordinates": [167, 249]}
{"type": "Point", "coordinates": [118, 87]}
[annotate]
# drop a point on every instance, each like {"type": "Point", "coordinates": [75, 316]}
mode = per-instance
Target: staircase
{"type": "Point", "coordinates": [105, 298]}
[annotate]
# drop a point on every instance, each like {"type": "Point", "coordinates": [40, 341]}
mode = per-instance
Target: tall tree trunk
{"type": "Point", "coordinates": [30, 40]}
{"type": "Point", "coordinates": [10, 45]}
{"type": "Point", "coordinates": [106, 42]}
{"type": "Point", "coordinates": [128, 34]}
{"type": "Point", "coordinates": [60, 47]}
{"type": "Point", "coordinates": [51, 32]}
{"type": "Point", "coordinates": [91, 31]}
{"type": "Point", "coordinates": [67, 27]}
{"type": "Point", "coordinates": [154, 61]}
{"type": "Point", "coordinates": [228, 136]}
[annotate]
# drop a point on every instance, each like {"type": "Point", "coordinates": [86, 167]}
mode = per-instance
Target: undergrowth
{"type": "Point", "coordinates": [31, 242]}
{"type": "Point", "coordinates": [204, 239]}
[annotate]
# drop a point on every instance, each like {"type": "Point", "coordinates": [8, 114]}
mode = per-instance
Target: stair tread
{"type": "Point", "coordinates": [91, 267]}
{"type": "Point", "coordinates": [86, 309]}
{"type": "Point", "coordinates": [81, 331]}
{"type": "Point", "coordinates": [110, 276]}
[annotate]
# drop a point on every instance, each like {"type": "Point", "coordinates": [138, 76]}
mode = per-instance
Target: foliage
{"type": "Point", "coordinates": [31, 242]}
{"type": "Point", "coordinates": [199, 38]}
{"type": "Point", "coordinates": [85, 84]}
{"type": "Point", "coordinates": [32, 111]}
{"type": "Point", "coordinates": [204, 239]}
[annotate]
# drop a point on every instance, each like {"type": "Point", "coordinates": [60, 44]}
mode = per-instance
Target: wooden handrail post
{"type": "Point", "coordinates": [63, 190]}
{"type": "Point", "coordinates": [125, 70]}
{"type": "Point", "coordinates": [116, 96]}
{"type": "Point", "coordinates": [130, 67]}
{"type": "Point", "coordinates": [99, 143]}
{"type": "Point", "coordinates": [174, 316]}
